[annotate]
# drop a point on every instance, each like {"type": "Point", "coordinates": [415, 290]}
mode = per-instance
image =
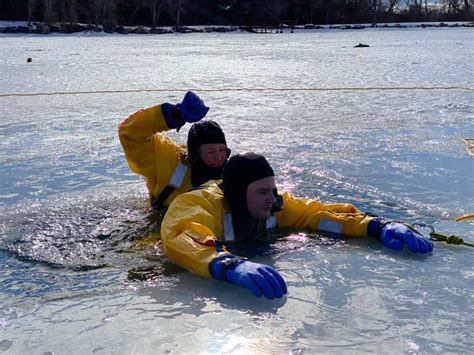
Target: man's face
{"type": "Point", "coordinates": [213, 154]}
{"type": "Point", "coordinates": [260, 198]}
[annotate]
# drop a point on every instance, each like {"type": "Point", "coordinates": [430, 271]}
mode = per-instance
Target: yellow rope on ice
{"type": "Point", "coordinates": [470, 145]}
{"type": "Point", "coordinates": [451, 239]}
{"type": "Point", "coordinates": [438, 237]}
{"type": "Point", "coordinates": [373, 88]}
{"type": "Point", "coordinates": [465, 218]}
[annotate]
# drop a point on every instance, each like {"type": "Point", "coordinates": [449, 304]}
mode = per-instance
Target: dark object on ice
{"type": "Point", "coordinates": [29, 60]}
{"type": "Point", "coordinates": [361, 45]}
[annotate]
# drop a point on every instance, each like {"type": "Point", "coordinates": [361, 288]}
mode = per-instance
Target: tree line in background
{"type": "Point", "coordinates": [156, 13]}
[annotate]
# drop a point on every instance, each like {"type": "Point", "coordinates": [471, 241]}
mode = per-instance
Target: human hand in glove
{"type": "Point", "coordinates": [260, 279]}
{"type": "Point", "coordinates": [192, 108]}
{"type": "Point", "coordinates": [395, 235]}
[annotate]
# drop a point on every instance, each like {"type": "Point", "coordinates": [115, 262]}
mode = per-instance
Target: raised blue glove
{"type": "Point", "coordinates": [260, 279]}
{"type": "Point", "coordinates": [395, 235]}
{"type": "Point", "coordinates": [192, 108]}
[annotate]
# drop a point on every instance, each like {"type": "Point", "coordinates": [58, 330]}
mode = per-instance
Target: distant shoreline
{"type": "Point", "coordinates": [23, 27]}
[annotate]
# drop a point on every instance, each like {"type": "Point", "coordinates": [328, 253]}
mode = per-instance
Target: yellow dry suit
{"type": "Point", "coordinates": [197, 222]}
{"type": "Point", "coordinates": [162, 162]}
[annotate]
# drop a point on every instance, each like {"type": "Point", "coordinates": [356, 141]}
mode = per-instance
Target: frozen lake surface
{"type": "Point", "coordinates": [380, 127]}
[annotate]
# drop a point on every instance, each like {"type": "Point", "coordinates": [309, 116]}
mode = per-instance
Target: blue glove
{"type": "Point", "coordinates": [260, 279]}
{"type": "Point", "coordinates": [395, 235]}
{"type": "Point", "coordinates": [192, 108]}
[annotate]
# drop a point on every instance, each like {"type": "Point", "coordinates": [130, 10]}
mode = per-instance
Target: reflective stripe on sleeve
{"type": "Point", "coordinates": [178, 175]}
{"type": "Point", "coordinates": [329, 225]}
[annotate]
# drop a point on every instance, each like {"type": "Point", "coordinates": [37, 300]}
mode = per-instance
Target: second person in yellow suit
{"type": "Point", "coordinates": [199, 224]}
{"type": "Point", "coordinates": [168, 168]}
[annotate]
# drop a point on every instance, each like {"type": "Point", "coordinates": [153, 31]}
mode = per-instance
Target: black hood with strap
{"type": "Point", "coordinates": [240, 171]}
{"type": "Point", "coordinates": [204, 132]}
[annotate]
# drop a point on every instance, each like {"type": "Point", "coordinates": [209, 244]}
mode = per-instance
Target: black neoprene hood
{"type": "Point", "coordinates": [239, 172]}
{"type": "Point", "coordinates": [203, 132]}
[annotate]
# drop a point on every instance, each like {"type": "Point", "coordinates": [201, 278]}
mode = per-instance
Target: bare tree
{"type": "Point", "coordinates": [176, 7]}
{"type": "Point", "coordinates": [374, 12]}
{"type": "Point", "coordinates": [156, 9]}
{"type": "Point", "coordinates": [68, 11]}
{"type": "Point", "coordinates": [49, 15]}
{"type": "Point", "coordinates": [72, 11]}
{"type": "Point", "coordinates": [96, 10]}
{"type": "Point", "coordinates": [391, 6]}
{"type": "Point", "coordinates": [313, 6]}
{"type": "Point", "coordinates": [467, 9]}
{"type": "Point", "coordinates": [109, 14]}
{"type": "Point", "coordinates": [31, 8]}
{"type": "Point", "coordinates": [417, 6]}
{"type": "Point", "coordinates": [426, 11]}
{"type": "Point", "coordinates": [178, 13]}
{"type": "Point", "coordinates": [296, 6]}
{"type": "Point", "coordinates": [332, 9]}
{"type": "Point", "coordinates": [271, 9]}
{"type": "Point", "coordinates": [451, 6]}
{"type": "Point", "coordinates": [387, 8]}
{"type": "Point", "coordinates": [62, 10]}
{"type": "Point", "coordinates": [105, 12]}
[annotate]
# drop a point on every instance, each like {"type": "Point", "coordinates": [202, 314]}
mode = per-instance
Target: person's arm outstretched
{"type": "Point", "coordinates": [347, 220]}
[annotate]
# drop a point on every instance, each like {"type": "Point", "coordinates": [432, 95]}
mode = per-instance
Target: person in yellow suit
{"type": "Point", "coordinates": [199, 224]}
{"type": "Point", "coordinates": [170, 169]}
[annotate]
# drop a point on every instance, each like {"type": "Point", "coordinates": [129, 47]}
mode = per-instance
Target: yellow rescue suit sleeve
{"type": "Point", "coordinates": [305, 213]}
{"type": "Point", "coordinates": [191, 227]}
{"type": "Point", "coordinates": [150, 154]}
